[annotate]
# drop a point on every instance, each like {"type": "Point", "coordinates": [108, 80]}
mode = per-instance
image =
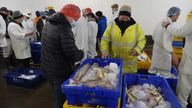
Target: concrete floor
{"type": "Point", "coordinates": [19, 97]}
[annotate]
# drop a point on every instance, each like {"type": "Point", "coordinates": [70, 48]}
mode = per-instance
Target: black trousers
{"type": "Point", "coordinates": [25, 63]}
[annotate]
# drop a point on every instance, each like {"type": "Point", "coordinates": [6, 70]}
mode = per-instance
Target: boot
{"type": "Point", "coordinates": [8, 65]}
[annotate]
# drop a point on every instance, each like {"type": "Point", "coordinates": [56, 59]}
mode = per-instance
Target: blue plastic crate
{"type": "Point", "coordinates": [134, 79]}
{"type": "Point", "coordinates": [173, 82]}
{"type": "Point", "coordinates": [36, 56]}
{"type": "Point", "coordinates": [12, 77]}
{"type": "Point", "coordinates": [36, 45]}
{"type": "Point", "coordinates": [97, 95]}
{"type": "Point", "coordinates": [177, 44]}
{"type": "Point", "coordinates": [36, 52]}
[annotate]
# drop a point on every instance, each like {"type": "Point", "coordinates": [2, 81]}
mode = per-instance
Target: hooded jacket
{"type": "Point", "coordinates": [59, 51]}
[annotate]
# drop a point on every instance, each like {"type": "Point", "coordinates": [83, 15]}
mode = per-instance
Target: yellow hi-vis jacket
{"type": "Point", "coordinates": [118, 46]}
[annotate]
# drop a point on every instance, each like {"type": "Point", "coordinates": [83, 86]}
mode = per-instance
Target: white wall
{"type": "Point", "coordinates": [148, 13]}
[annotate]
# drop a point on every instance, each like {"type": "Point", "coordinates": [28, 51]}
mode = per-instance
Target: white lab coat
{"type": "Point", "coordinates": [92, 39]}
{"type": "Point", "coordinates": [20, 43]}
{"type": "Point", "coordinates": [113, 17]}
{"type": "Point", "coordinates": [184, 86]}
{"type": "Point", "coordinates": [81, 35]}
{"type": "Point", "coordinates": [29, 26]}
{"type": "Point", "coordinates": [3, 41]}
{"type": "Point", "coordinates": [162, 48]}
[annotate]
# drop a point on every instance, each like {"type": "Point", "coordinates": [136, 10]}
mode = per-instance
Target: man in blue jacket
{"type": "Point", "coordinates": [102, 25]}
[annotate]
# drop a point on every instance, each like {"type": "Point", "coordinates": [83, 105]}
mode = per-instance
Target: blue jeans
{"type": "Point", "coordinates": [59, 98]}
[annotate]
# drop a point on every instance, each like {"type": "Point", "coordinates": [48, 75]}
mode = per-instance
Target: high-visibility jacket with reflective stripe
{"type": "Point", "coordinates": [118, 46]}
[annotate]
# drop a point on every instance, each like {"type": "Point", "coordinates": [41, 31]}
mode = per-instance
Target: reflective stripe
{"type": "Point", "coordinates": [105, 38]}
{"type": "Point", "coordinates": [139, 48]}
{"type": "Point", "coordinates": [120, 44]}
{"type": "Point", "coordinates": [130, 63]}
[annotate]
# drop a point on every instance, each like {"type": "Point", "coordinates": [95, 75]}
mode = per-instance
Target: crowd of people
{"type": "Point", "coordinates": [71, 35]}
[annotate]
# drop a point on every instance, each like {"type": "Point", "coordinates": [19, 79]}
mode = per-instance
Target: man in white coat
{"type": "Point", "coordinates": [29, 26]}
{"type": "Point", "coordinates": [19, 39]}
{"type": "Point", "coordinates": [163, 54]}
{"type": "Point", "coordinates": [5, 42]}
{"type": "Point", "coordinates": [92, 35]}
{"type": "Point", "coordinates": [81, 34]}
{"type": "Point", "coordinates": [115, 13]}
{"type": "Point", "coordinates": [184, 86]}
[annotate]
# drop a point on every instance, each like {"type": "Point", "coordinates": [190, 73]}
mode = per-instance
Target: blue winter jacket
{"type": "Point", "coordinates": [102, 25]}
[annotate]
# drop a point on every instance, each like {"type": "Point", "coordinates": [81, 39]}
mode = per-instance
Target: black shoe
{"type": "Point", "coordinates": [189, 105]}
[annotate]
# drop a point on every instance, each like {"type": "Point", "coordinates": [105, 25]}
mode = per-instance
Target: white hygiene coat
{"type": "Point", "coordinates": [3, 41]}
{"type": "Point", "coordinates": [92, 39]}
{"type": "Point", "coordinates": [81, 35]}
{"type": "Point", "coordinates": [29, 26]}
{"type": "Point", "coordinates": [184, 86]}
{"type": "Point", "coordinates": [185, 31]}
{"type": "Point", "coordinates": [162, 48]}
{"type": "Point", "coordinates": [20, 43]}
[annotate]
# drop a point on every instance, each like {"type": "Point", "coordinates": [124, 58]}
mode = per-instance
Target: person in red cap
{"type": "Point", "coordinates": [88, 10]}
{"type": "Point", "coordinates": [59, 52]}
{"type": "Point", "coordinates": [81, 32]}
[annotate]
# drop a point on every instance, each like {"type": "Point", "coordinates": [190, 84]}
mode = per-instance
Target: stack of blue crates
{"type": "Point", "coordinates": [135, 79]}
{"type": "Point", "coordinates": [173, 81]}
{"type": "Point", "coordinates": [94, 96]}
{"type": "Point", "coordinates": [13, 77]}
{"type": "Point", "coordinates": [36, 52]}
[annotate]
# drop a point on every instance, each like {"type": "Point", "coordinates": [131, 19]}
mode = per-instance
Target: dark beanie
{"type": "Point", "coordinates": [99, 13]}
{"type": "Point", "coordinates": [37, 13]}
{"type": "Point", "coordinates": [125, 10]}
{"type": "Point", "coordinates": [4, 9]}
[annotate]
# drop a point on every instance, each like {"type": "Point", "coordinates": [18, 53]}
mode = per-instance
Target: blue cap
{"type": "Point", "coordinates": [173, 11]}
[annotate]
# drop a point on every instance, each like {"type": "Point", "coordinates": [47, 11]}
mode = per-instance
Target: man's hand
{"type": "Point", "coordinates": [105, 56]}
{"type": "Point", "coordinates": [133, 53]}
{"type": "Point", "coordinates": [175, 60]}
{"type": "Point", "coordinates": [165, 24]}
{"type": "Point", "coordinates": [28, 34]}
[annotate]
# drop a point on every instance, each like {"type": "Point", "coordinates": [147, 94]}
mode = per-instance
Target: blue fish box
{"type": "Point", "coordinates": [13, 77]}
{"type": "Point", "coordinates": [138, 79]}
{"type": "Point", "coordinates": [95, 96]}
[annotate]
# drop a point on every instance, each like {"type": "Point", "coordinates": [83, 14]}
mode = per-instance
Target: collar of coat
{"type": "Point", "coordinates": [17, 23]}
{"type": "Point", "coordinates": [59, 19]}
{"type": "Point", "coordinates": [91, 19]}
{"type": "Point", "coordinates": [124, 26]}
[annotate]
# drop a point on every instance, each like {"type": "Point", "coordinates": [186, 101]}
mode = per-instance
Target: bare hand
{"type": "Point", "coordinates": [29, 34]}
{"type": "Point", "coordinates": [175, 60]}
{"type": "Point", "coordinates": [133, 53]}
{"type": "Point", "coordinates": [105, 56]}
{"type": "Point", "coordinates": [165, 23]}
